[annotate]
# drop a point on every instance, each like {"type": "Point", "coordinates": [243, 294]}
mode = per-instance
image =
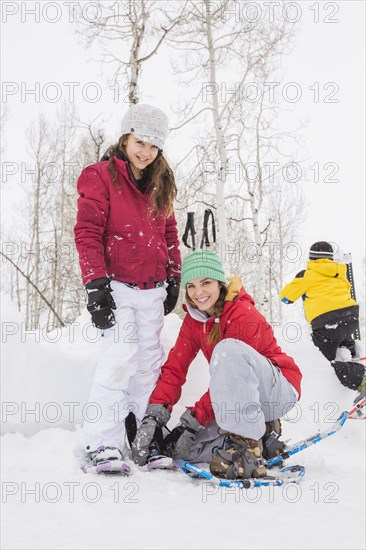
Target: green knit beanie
{"type": "Point", "coordinates": [201, 264]}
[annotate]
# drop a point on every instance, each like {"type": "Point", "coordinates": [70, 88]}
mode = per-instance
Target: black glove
{"type": "Point", "coordinates": [101, 303]}
{"type": "Point", "coordinates": [156, 417]}
{"type": "Point", "coordinates": [172, 294]}
{"type": "Point", "coordinates": [180, 440]}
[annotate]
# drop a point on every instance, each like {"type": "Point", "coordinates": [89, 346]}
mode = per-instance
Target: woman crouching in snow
{"type": "Point", "coordinates": [253, 383]}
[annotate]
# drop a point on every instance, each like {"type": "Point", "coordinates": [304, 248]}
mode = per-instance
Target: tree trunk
{"type": "Point", "coordinates": [220, 137]}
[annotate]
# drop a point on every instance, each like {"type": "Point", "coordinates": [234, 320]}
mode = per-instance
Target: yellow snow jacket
{"type": "Point", "coordinates": [323, 286]}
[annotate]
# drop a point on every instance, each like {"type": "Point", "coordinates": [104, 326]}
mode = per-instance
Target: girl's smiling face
{"type": "Point", "coordinates": [140, 154]}
{"type": "Point", "coordinates": [204, 293]}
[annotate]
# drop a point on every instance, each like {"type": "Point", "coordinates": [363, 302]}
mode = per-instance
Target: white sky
{"type": "Point", "coordinates": [43, 52]}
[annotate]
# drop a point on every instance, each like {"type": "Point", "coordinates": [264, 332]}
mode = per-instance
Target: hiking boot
{"type": "Point", "coordinates": [272, 445]}
{"type": "Point", "coordinates": [156, 447]}
{"type": "Point", "coordinates": [105, 454]}
{"type": "Point", "coordinates": [362, 391]}
{"type": "Point", "coordinates": [238, 458]}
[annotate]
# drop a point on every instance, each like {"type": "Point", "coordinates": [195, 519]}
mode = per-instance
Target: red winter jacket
{"type": "Point", "coordinates": [117, 232]}
{"type": "Point", "coordinates": [239, 320]}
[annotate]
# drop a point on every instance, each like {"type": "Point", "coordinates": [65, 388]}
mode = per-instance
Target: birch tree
{"type": "Point", "coordinates": [45, 278]}
{"type": "Point", "coordinates": [234, 133]}
{"type": "Point", "coordinates": [37, 192]}
{"type": "Point", "coordinates": [214, 49]}
{"type": "Point", "coordinates": [129, 35]}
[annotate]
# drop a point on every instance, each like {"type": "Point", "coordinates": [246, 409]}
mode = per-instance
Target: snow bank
{"type": "Point", "coordinates": [46, 377]}
{"type": "Point", "coordinates": [42, 372]}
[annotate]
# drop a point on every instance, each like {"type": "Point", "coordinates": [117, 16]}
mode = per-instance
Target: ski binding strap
{"type": "Point", "coordinates": [161, 462]}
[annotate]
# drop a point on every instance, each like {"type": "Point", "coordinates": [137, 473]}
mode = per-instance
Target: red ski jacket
{"type": "Point", "coordinates": [118, 233]}
{"type": "Point", "coordinates": [239, 320]}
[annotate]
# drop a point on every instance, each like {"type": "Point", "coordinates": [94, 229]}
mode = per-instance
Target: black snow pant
{"type": "Point", "coordinates": [338, 334]}
{"type": "Point", "coordinates": [328, 340]}
{"type": "Point", "coordinates": [349, 374]}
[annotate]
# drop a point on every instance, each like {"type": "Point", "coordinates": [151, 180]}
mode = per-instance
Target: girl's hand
{"type": "Point", "coordinates": [172, 294]}
{"type": "Point", "coordinates": [101, 303]}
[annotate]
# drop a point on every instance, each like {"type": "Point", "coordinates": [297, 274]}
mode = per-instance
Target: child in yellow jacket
{"type": "Point", "coordinates": [329, 308]}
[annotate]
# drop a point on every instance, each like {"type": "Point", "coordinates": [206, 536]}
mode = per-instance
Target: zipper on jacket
{"type": "Point", "coordinates": [204, 335]}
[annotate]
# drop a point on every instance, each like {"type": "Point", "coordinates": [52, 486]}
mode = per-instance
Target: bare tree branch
{"type": "Point", "coordinates": [42, 296]}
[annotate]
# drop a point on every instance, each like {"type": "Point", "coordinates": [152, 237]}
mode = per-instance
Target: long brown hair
{"type": "Point", "coordinates": [159, 176]}
{"type": "Point", "coordinates": [215, 334]}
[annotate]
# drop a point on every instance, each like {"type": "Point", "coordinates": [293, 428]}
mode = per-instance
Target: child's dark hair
{"type": "Point", "coordinates": [215, 334]}
{"type": "Point", "coordinates": [158, 174]}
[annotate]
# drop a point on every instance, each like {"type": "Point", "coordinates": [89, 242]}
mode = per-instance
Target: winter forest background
{"type": "Point", "coordinates": [266, 108]}
{"type": "Point", "coordinates": [237, 142]}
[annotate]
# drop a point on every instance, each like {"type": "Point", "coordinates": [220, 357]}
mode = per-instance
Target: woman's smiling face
{"type": "Point", "coordinates": [204, 293]}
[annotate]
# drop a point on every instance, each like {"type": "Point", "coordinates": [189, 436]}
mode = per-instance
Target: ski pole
{"type": "Point", "coordinates": [348, 261]}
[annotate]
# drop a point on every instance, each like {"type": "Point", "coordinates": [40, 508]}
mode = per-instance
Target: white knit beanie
{"type": "Point", "coordinates": [147, 123]}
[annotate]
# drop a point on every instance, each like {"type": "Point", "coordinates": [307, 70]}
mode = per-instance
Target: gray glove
{"type": "Point", "coordinates": [156, 417]}
{"type": "Point", "coordinates": [189, 428]}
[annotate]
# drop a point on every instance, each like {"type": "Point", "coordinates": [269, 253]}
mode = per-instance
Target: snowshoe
{"type": "Point", "coordinates": [291, 474]}
{"type": "Point", "coordinates": [107, 460]}
{"type": "Point", "coordinates": [157, 458]}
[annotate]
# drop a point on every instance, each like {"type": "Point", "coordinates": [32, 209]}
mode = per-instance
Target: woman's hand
{"type": "Point", "coordinates": [179, 442]}
{"type": "Point", "coordinates": [156, 416]}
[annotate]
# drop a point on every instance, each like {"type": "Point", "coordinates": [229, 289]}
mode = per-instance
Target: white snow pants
{"type": "Point", "coordinates": [128, 366]}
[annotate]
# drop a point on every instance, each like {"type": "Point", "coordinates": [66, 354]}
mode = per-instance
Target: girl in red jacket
{"type": "Point", "coordinates": [127, 240]}
{"type": "Point", "coordinates": [253, 382]}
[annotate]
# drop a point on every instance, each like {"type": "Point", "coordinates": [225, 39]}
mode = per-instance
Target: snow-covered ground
{"type": "Point", "coordinates": [47, 502]}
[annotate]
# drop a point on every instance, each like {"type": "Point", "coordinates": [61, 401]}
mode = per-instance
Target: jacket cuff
{"type": "Point", "coordinates": [94, 274]}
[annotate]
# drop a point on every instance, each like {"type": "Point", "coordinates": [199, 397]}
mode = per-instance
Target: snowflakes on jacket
{"type": "Point", "coordinates": [118, 233]}
{"type": "Point", "coordinates": [239, 320]}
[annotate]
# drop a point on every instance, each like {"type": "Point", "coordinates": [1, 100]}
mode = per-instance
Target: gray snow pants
{"type": "Point", "coordinates": [246, 391]}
